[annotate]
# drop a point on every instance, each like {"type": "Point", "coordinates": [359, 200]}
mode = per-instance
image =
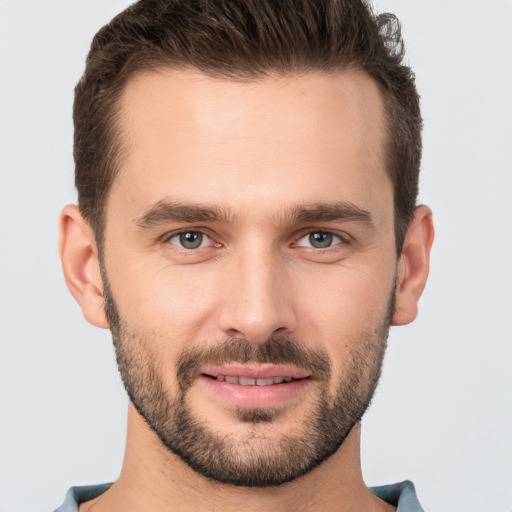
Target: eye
{"type": "Point", "coordinates": [319, 240]}
{"type": "Point", "coordinates": [189, 240]}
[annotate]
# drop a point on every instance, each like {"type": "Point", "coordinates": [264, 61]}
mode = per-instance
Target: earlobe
{"type": "Point", "coordinates": [79, 257]}
{"type": "Point", "coordinates": [413, 266]}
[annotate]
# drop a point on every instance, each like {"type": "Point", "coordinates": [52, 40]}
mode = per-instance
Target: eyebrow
{"type": "Point", "coordinates": [172, 211]}
{"type": "Point", "coordinates": [328, 212]}
{"type": "Point", "coordinates": [166, 211]}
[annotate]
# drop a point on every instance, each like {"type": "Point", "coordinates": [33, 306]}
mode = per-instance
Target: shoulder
{"type": "Point", "coordinates": [77, 495]}
{"type": "Point", "coordinates": [402, 495]}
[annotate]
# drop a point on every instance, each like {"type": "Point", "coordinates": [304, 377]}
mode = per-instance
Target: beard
{"type": "Point", "coordinates": [256, 459]}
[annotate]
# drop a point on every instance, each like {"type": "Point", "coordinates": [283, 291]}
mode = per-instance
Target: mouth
{"type": "Point", "coordinates": [255, 386]}
{"type": "Point", "coordinates": [249, 381]}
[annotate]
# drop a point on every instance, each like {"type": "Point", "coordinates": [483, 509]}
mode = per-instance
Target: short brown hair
{"type": "Point", "coordinates": [242, 40]}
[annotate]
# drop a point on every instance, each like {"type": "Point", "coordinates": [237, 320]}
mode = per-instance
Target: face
{"type": "Point", "coordinates": [249, 266]}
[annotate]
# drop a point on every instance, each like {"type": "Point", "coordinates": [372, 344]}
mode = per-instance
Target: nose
{"type": "Point", "coordinates": [257, 297]}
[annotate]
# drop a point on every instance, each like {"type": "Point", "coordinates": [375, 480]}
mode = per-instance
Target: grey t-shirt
{"type": "Point", "coordinates": [401, 495]}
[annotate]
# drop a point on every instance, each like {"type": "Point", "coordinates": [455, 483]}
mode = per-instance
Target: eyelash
{"type": "Point", "coordinates": [345, 240]}
{"type": "Point", "coordinates": [167, 238]}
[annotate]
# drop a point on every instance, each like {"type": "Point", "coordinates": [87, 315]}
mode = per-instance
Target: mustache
{"type": "Point", "coordinates": [278, 350]}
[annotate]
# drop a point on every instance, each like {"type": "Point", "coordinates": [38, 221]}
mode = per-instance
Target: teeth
{"type": "Point", "coordinates": [247, 381]}
{"type": "Point", "coordinates": [265, 382]}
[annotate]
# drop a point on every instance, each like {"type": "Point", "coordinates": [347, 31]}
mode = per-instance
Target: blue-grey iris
{"type": "Point", "coordinates": [320, 240]}
{"type": "Point", "coordinates": [191, 239]}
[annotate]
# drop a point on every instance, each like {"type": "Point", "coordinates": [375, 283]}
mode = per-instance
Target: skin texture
{"type": "Point", "coordinates": [258, 155]}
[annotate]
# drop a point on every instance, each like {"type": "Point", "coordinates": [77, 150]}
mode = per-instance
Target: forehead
{"type": "Point", "coordinates": [300, 137]}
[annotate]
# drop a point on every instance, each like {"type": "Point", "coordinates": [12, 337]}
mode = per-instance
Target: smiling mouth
{"type": "Point", "coordinates": [255, 386]}
{"type": "Point", "coordinates": [249, 381]}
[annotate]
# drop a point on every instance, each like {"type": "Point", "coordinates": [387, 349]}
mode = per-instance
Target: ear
{"type": "Point", "coordinates": [79, 257]}
{"type": "Point", "coordinates": [413, 266]}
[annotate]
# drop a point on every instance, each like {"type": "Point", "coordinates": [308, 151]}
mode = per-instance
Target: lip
{"type": "Point", "coordinates": [256, 372]}
{"type": "Point", "coordinates": [238, 395]}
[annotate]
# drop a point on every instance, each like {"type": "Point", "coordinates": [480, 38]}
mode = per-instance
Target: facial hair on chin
{"type": "Point", "coordinates": [253, 461]}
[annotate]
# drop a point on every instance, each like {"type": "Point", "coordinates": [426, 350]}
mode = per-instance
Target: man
{"type": "Point", "coordinates": [247, 228]}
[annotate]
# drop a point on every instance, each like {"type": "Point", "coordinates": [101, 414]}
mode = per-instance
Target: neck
{"type": "Point", "coordinates": [153, 479]}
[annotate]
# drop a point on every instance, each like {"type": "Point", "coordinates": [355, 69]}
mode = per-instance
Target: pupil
{"type": "Point", "coordinates": [320, 240]}
{"type": "Point", "coordinates": [191, 240]}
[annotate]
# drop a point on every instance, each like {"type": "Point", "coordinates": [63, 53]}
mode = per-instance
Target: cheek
{"type": "Point", "coordinates": [167, 303]}
{"type": "Point", "coordinates": [349, 306]}
{"type": "Point", "coordinates": [347, 297]}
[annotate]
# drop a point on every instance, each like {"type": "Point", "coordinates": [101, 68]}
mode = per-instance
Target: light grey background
{"type": "Point", "coordinates": [442, 415]}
